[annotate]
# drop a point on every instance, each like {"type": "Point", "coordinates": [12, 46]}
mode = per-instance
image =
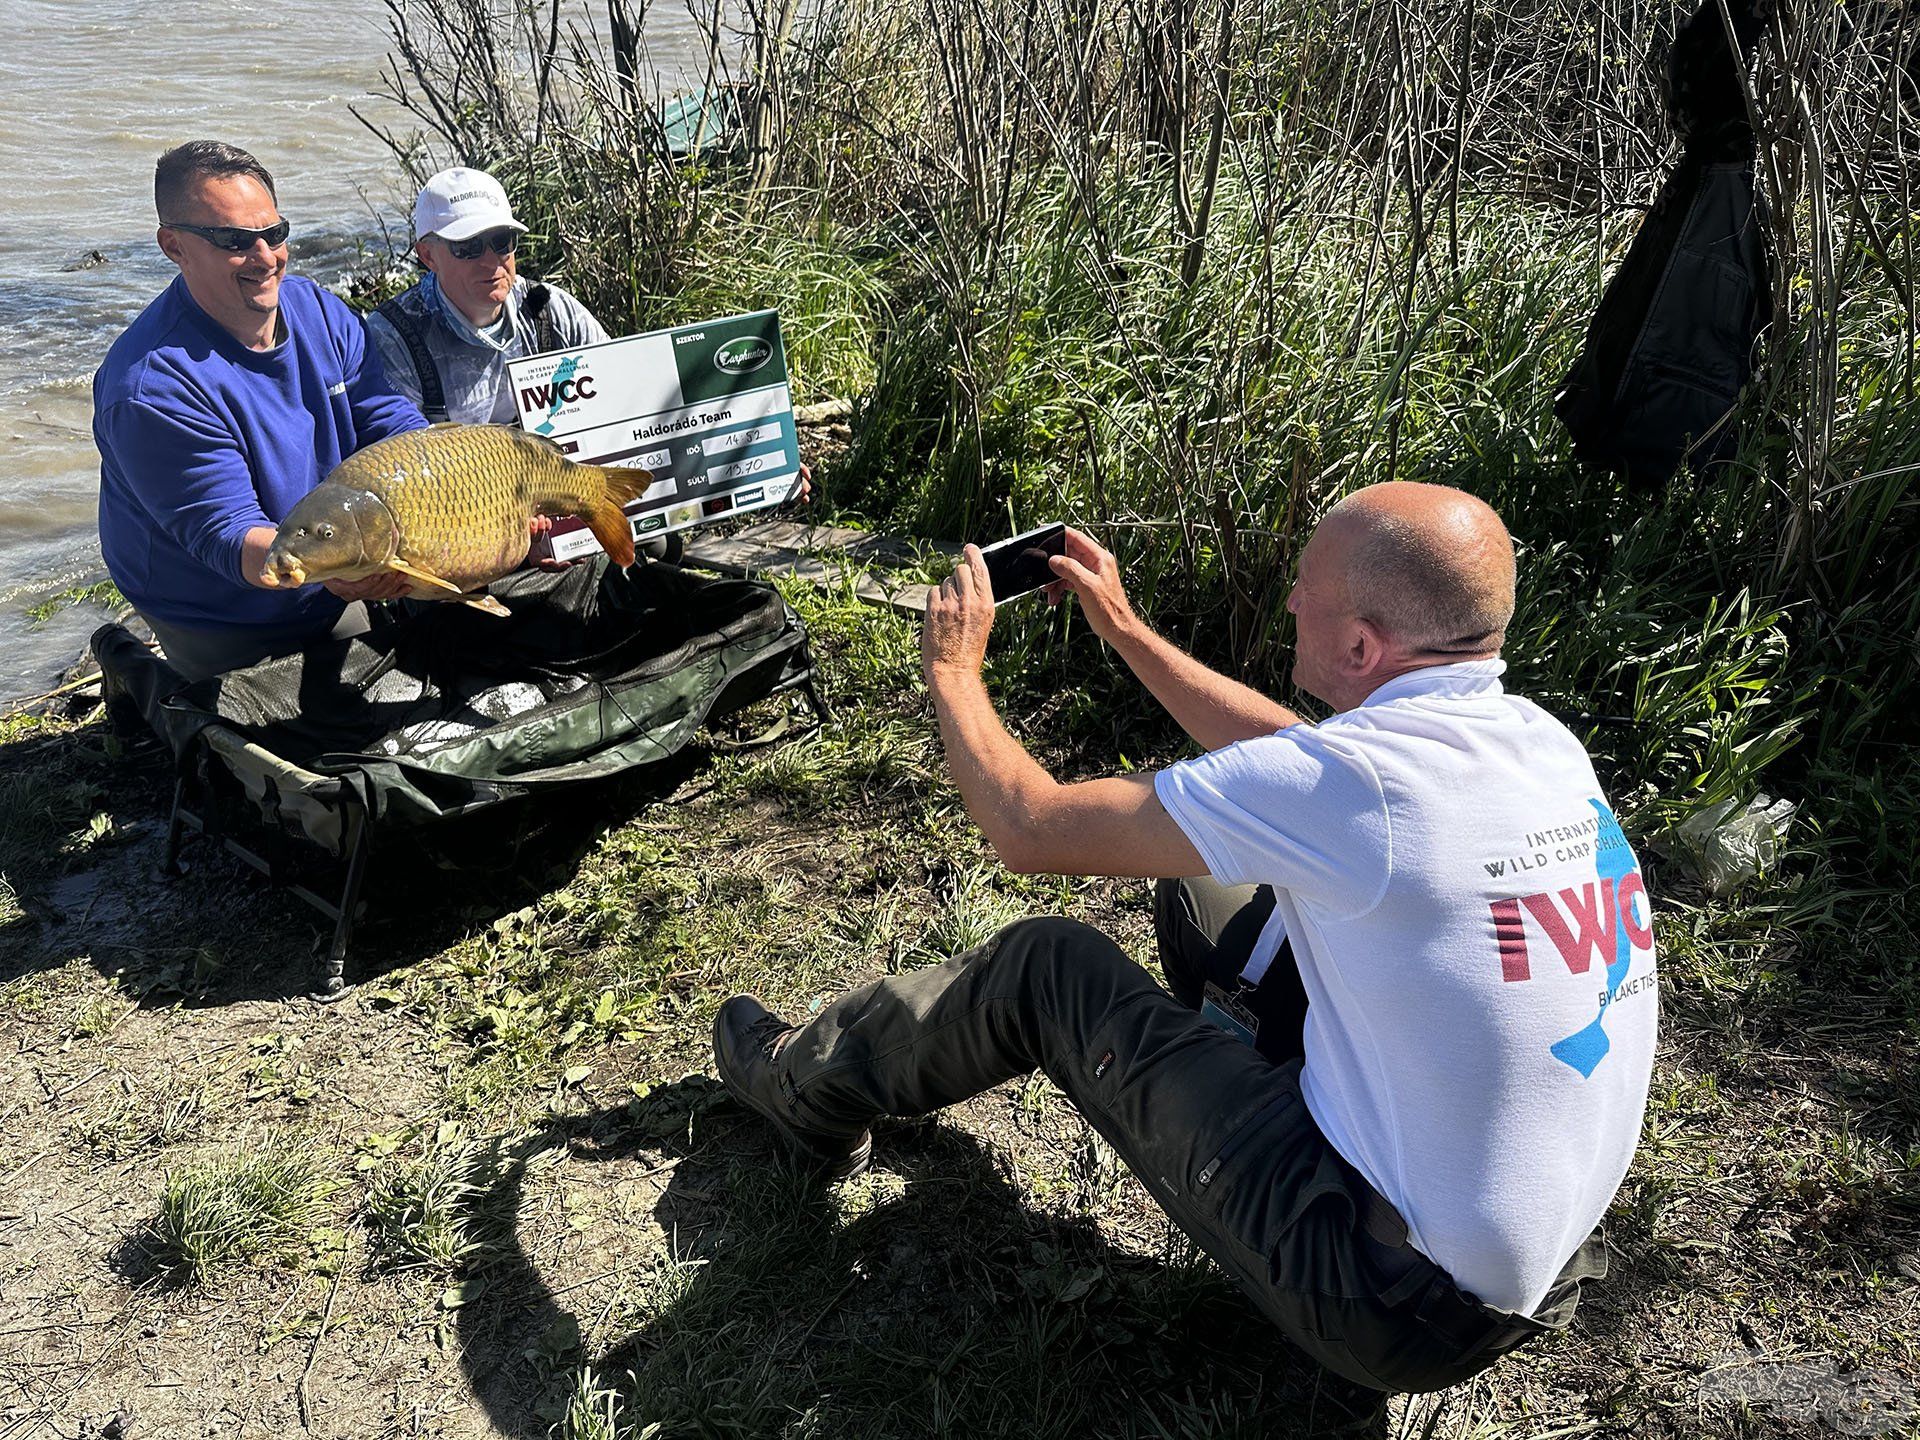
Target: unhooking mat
{"type": "Point", "coordinates": [442, 710]}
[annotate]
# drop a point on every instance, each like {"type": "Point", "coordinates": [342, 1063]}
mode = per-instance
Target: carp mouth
{"type": "Point", "coordinates": [282, 571]}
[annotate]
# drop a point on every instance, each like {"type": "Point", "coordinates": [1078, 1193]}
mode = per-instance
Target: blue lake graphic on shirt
{"type": "Point", "coordinates": [1613, 862]}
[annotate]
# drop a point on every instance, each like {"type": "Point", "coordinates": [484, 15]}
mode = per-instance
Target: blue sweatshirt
{"type": "Point", "coordinates": [201, 439]}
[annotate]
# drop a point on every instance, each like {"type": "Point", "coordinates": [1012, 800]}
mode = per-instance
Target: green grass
{"type": "Point", "coordinates": [41, 810]}
{"type": "Point", "coordinates": [420, 1207]}
{"type": "Point", "coordinates": [261, 1204]}
{"type": "Point", "coordinates": [595, 1412]}
{"type": "Point", "coordinates": [103, 593]}
{"type": "Point", "coordinates": [50, 813]}
{"type": "Point", "coordinates": [977, 905]}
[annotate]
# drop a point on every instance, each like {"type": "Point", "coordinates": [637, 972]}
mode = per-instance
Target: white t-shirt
{"type": "Point", "coordinates": [1477, 949]}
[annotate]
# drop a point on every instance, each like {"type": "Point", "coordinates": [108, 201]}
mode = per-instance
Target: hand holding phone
{"type": "Point", "coordinates": [1092, 577]}
{"type": "Point", "coordinates": [1020, 565]}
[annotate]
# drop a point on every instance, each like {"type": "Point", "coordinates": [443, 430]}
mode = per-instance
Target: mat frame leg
{"type": "Point", "coordinates": [822, 711]}
{"type": "Point", "coordinates": [333, 982]}
{"type": "Point", "coordinates": [176, 828]}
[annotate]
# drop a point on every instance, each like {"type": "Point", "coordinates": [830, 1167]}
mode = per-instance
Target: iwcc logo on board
{"type": "Point", "coordinates": [742, 356]}
{"type": "Point", "coordinates": [568, 386]}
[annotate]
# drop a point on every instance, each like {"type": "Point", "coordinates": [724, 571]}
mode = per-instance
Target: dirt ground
{"type": "Point", "coordinates": [526, 1209]}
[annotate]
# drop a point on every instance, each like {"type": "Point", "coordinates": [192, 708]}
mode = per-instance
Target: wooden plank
{"type": "Point", "coordinates": [793, 536]}
{"type": "Point", "coordinates": [821, 555]}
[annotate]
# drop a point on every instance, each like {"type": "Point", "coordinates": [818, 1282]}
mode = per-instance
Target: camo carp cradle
{"type": "Point", "coordinates": [438, 716]}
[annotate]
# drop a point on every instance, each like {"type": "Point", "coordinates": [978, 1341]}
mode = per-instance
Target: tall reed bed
{"type": "Point", "coordinates": [1185, 271]}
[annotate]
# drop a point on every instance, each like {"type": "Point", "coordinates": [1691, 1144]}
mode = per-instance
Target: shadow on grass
{"type": "Point", "coordinates": [140, 1260]}
{"type": "Point", "coordinates": [923, 1299]}
{"type": "Point", "coordinates": [84, 835]}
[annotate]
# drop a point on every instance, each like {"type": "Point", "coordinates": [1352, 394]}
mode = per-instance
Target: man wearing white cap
{"type": "Point", "coordinates": [445, 342]}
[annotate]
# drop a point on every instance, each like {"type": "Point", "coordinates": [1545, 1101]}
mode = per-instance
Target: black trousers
{"type": "Point", "coordinates": [199, 653]}
{"type": "Point", "coordinates": [1216, 1131]}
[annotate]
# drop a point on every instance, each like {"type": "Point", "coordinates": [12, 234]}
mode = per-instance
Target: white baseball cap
{"type": "Point", "coordinates": [460, 203]}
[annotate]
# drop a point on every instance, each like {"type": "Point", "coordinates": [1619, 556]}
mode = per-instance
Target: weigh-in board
{"type": "Point", "coordinates": [705, 408]}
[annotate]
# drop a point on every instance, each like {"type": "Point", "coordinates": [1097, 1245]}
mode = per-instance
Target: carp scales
{"type": "Point", "coordinates": [448, 507]}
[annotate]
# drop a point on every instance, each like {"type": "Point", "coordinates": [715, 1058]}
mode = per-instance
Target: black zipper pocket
{"type": "Point", "coordinates": [1238, 1139]}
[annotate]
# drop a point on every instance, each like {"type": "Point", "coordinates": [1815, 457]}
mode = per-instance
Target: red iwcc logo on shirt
{"type": "Point", "coordinates": [1595, 916]}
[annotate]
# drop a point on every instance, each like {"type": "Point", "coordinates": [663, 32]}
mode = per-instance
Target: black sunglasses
{"type": "Point", "coordinates": [501, 242]}
{"type": "Point", "coordinates": [235, 237]}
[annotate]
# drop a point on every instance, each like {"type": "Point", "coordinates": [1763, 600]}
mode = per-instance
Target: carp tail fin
{"type": "Point", "coordinates": [607, 519]}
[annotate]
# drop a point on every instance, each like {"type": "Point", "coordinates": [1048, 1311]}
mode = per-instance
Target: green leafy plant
{"type": "Point", "coordinates": [257, 1204]}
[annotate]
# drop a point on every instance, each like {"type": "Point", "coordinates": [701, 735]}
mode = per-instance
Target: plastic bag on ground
{"type": "Point", "coordinates": [1729, 843]}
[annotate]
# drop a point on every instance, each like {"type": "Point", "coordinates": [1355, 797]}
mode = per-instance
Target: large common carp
{"type": "Point", "coordinates": [448, 507]}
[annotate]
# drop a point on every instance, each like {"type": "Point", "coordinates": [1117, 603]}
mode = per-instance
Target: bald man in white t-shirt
{"type": "Point", "coordinates": [1402, 1064]}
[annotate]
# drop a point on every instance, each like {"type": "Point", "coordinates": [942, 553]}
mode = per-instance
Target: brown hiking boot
{"type": "Point", "coordinates": [747, 1039]}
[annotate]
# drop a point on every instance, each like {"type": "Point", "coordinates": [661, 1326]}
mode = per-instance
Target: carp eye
{"type": "Point", "coordinates": [326, 532]}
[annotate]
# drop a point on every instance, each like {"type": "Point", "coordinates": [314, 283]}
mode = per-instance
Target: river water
{"type": "Point", "coordinates": [91, 91]}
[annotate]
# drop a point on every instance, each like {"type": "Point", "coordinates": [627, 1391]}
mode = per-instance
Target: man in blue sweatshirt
{"type": "Point", "coordinates": [230, 397]}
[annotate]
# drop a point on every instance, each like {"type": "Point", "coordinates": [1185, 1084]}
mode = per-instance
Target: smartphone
{"type": "Point", "coordinates": [1019, 565]}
